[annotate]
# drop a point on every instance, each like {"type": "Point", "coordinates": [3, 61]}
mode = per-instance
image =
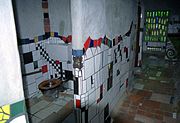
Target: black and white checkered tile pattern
{"type": "Point", "coordinates": [60, 73]}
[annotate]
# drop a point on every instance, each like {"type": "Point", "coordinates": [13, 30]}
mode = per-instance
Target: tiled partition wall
{"type": "Point", "coordinates": [103, 77]}
{"type": "Point", "coordinates": [103, 67]}
{"type": "Point", "coordinates": [47, 55]}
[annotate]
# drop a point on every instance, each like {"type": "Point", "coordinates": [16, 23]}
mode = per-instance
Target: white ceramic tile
{"type": "Point", "coordinates": [70, 84]}
{"type": "Point", "coordinates": [105, 73]}
{"type": "Point", "coordinates": [25, 48]}
{"type": "Point", "coordinates": [29, 68]}
{"type": "Point", "coordinates": [69, 67]}
{"type": "Point", "coordinates": [37, 75]}
{"type": "Point", "coordinates": [32, 88]}
{"type": "Point", "coordinates": [88, 84]}
{"type": "Point", "coordinates": [98, 49]}
{"type": "Point", "coordinates": [29, 79]}
{"type": "Point", "coordinates": [39, 80]}
{"type": "Point", "coordinates": [92, 97]}
{"type": "Point", "coordinates": [58, 52]}
{"type": "Point", "coordinates": [104, 47]}
{"type": "Point", "coordinates": [80, 86]}
{"type": "Point", "coordinates": [105, 57]}
{"type": "Point", "coordinates": [91, 90]}
{"type": "Point", "coordinates": [88, 54]}
{"type": "Point", "coordinates": [64, 65]}
{"type": "Point", "coordinates": [89, 67]}
{"type": "Point", "coordinates": [96, 80]}
{"type": "Point", "coordinates": [100, 76]}
{"type": "Point", "coordinates": [32, 47]}
{"type": "Point", "coordinates": [40, 63]}
{"type": "Point", "coordinates": [98, 62]}
{"type": "Point", "coordinates": [92, 111]}
{"type": "Point", "coordinates": [46, 75]}
{"type": "Point", "coordinates": [84, 87]}
{"type": "Point", "coordinates": [94, 51]}
{"type": "Point", "coordinates": [36, 55]}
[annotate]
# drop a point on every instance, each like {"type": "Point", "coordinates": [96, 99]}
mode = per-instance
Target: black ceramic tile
{"type": "Point", "coordinates": [35, 64]}
{"type": "Point", "coordinates": [27, 57]}
{"type": "Point", "coordinates": [86, 116]}
{"type": "Point", "coordinates": [68, 74]}
{"type": "Point", "coordinates": [106, 112]}
{"type": "Point", "coordinates": [109, 84]}
{"type": "Point", "coordinates": [46, 15]}
{"type": "Point", "coordinates": [76, 86]}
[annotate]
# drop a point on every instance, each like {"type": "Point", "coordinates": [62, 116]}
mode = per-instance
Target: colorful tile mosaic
{"type": "Point", "coordinates": [8, 112]}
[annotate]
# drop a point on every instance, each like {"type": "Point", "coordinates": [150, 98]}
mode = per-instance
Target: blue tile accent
{"type": "Point", "coordinates": [91, 43]}
{"type": "Point", "coordinates": [56, 34]}
{"type": "Point", "coordinates": [40, 38]}
{"type": "Point", "coordinates": [31, 41]}
{"type": "Point", "coordinates": [77, 53]}
{"type": "Point", "coordinates": [25, 41]}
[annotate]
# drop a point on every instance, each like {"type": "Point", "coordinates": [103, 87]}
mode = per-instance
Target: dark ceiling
{"type": "Point", "coordinates": [172, 5]}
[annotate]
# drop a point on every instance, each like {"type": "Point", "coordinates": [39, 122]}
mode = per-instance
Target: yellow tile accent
{"type": "Point", "coordinates": [5, 113]}
{"type": "Point", "coordinates": [1, 116]}
{"type": "Point", "coordinates": [6, 109]}
{"type": "Point", "coordinates": [35, 39]}
{"type": "Point", "coordinates": [52, 34]}
{"type": "Point", "coordinates": [6, 117]}
{"type": "Point", "coordinates": [3, 121]}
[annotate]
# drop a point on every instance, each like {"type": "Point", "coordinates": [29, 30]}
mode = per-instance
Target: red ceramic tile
{"type": "Point", "coordinates": [69, 38]}
{"type": "Point", "coordinates": [44, 69]}
{"type": "Point", "coordinates": [151, 104]}
{"type": "Point", "coordinates": [57, 62]}
{"type": "Point", "coordinates": [46, 21]}
{"type": "Point", "coordinates": [78, 103]}
{"type": "Point", "coordinates": [158, 116]}
{"type": "Point", "coordinates": [87, 43]}
{"type": "Point", "coordinates": [47, 28]}
{"type": "Point", "coordinates": [141, 112]}
{"type": "Point", "coordinates": [44, 4]}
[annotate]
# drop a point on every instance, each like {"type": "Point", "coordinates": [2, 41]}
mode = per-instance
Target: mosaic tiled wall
{"type": "Point", "coordinates": [10, 112]}
{"type": "Point", "coordinates": [103, 67]}
{"type": "Point", "coordinates": [103, 76]}
{"type": "Point", "coordinates": [45, 56]}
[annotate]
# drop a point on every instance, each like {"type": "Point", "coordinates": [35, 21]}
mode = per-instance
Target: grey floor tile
{"type": "Point", "coordinates": [163, 98]}
{"type": "Point", "coordinates": [145, 119]}
{"type": "Point", "coordinates": [48, 111]}
{"type": "Point", "coordinates": [139, 86]}
{"type": "Point", "coordinates": [60, 101]}
{"type": "Point", "coordinates": [38, 106]}
{"type": "Point", "coordinates": [35, 120]}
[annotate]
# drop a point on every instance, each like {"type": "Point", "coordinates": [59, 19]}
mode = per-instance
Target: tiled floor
{"type": "Point", "coordinates": [41, 110]}
{"type": "Point", "coordinates": [155, 96]}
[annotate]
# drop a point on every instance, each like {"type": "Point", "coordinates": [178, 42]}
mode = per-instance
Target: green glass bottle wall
{"type": "Point", "coordinates": [156, 26]}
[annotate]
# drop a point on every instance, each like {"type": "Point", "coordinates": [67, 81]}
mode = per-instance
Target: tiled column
{"type": "Point", "coordinates": [77, 46]}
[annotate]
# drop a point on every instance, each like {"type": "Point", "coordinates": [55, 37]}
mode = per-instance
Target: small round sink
{"type": "Point", "coordinates": [51, 88]}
